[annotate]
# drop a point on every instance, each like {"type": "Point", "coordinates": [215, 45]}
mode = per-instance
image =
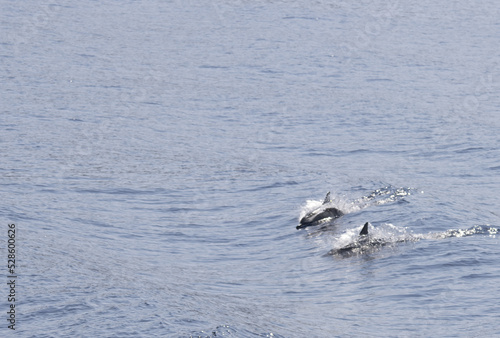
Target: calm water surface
{"type": "Point", "coordinates": [157, 156]}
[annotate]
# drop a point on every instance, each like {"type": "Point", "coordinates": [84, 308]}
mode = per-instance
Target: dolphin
{"type": "Point", "coordinates": [363, 243]}
{"type": "Point", "coordinates": [320, 214]}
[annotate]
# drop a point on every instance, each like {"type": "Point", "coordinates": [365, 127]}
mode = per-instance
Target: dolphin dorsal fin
{"type": "Point", "coordinates": [364, 231]}
{"type": "Point", "coordinates": [327, 198]}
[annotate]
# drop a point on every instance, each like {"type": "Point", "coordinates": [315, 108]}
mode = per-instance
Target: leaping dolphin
{"type": "Point", "coordinates": [319, 214]}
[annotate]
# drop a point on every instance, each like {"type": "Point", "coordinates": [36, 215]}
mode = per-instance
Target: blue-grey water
{"type": "Point", "coordinates": [156, 157]}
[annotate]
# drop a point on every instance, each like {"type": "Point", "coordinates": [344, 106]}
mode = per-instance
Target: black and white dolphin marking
{"type": "Point", "coordinates": [322, 213]}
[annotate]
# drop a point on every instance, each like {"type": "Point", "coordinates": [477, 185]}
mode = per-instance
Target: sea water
{"type": "Point", "coordinates": [156, 158]}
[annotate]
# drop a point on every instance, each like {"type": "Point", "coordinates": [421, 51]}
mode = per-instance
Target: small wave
{"type": "Point", "coordinates": [227, 331]}
{"type": "Point", "coordinates": [272, 186]}
{"type": "Point", "coordinates": [468, 150]}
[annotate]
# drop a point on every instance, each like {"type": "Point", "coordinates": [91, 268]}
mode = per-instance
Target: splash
{"type": "Point", "coordinates": [350, 243]}
{"type": "Point", "coordinates": [384, 195]}
{"type": "Point", "coordinates": [384, 235]}
{"type": "Point", "coordinates": [338, 202]}
{"type": "Point", "coordinates": [380, 196]}
{"type": "Point", "coordinates": [475, 230]}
